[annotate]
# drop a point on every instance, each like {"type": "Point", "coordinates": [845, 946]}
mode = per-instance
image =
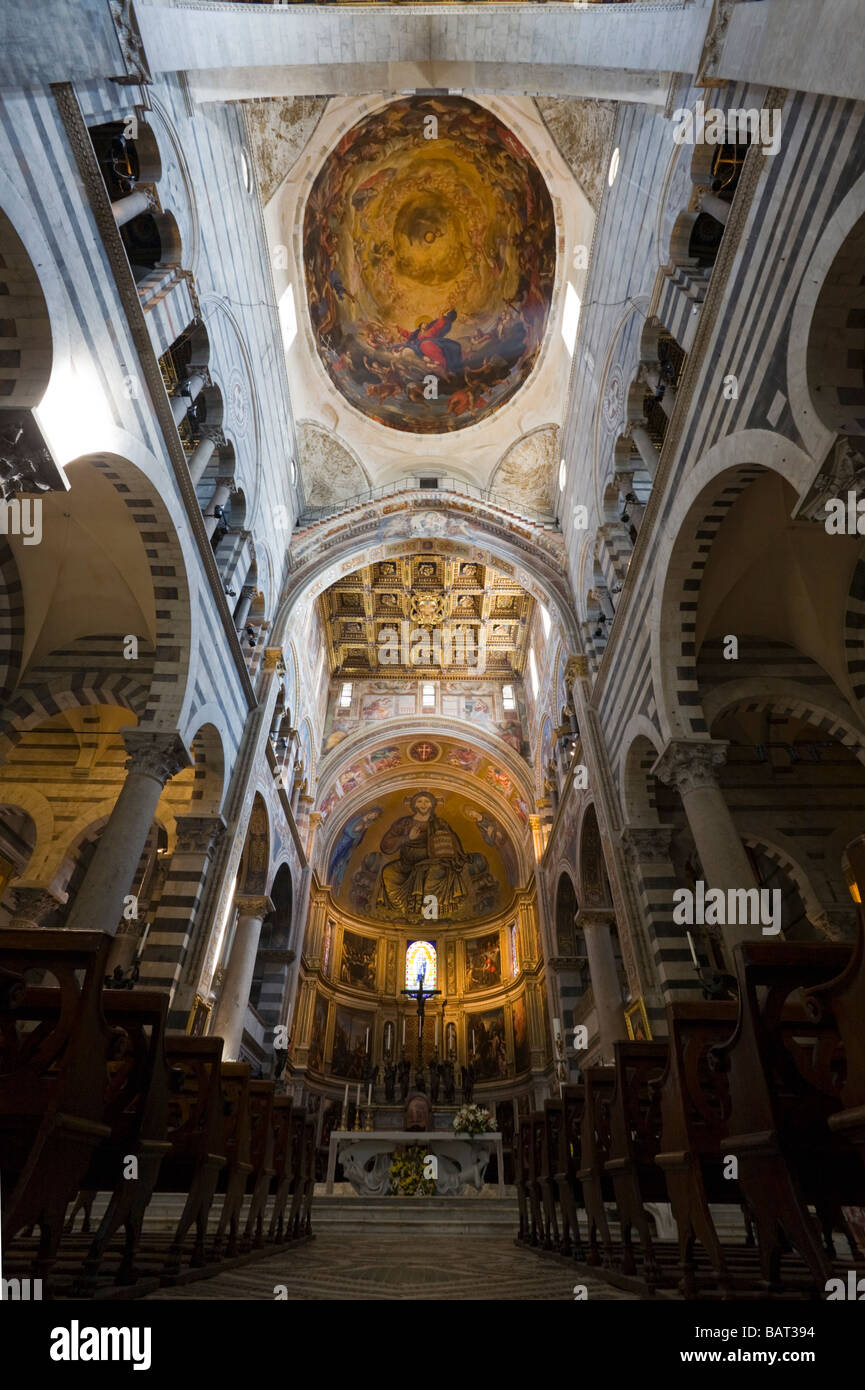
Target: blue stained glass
{"type": "Point", "coordinates": [420, 959]}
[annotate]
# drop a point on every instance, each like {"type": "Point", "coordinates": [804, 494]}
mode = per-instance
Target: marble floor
{"type": "Point", "coordinates": [399, 1266]}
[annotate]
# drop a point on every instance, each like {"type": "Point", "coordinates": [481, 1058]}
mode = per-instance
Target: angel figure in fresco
{"type": "Point", "coordinates": [430, 341]}
{"type": "Point", "coordinates": [430, 860]}
{"type": "Point", "coordinates": [348, 843]}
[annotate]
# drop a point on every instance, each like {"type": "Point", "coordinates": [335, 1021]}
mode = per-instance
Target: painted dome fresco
{"type": "Point", "coordinates": [430, 250]}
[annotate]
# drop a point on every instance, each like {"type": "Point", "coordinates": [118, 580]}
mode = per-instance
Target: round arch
{"type": "Point", "coordinates": [699, 509]}
{"type": "Point", "coordinates": [391, 528]}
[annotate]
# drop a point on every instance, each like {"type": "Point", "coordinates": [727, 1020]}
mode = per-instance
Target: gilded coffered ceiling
{"type": "Point", "coordinates": [426, 615]}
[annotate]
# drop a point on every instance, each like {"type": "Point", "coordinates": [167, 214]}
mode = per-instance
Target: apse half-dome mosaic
{"type": "Point", "coordinates": [430, 252]}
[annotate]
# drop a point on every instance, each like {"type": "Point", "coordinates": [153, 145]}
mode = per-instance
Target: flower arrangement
{"type": "Point", "coordinates": [407, 1173]}
{"type": "Point", "coordinates": [473, 1119]}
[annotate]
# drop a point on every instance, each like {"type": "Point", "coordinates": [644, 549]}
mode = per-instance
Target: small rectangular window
{"type": "Point", "coordinates": [508, 700]}
{"type": "Point", "coordinates": [428, 696]}
{"type": "Point", "coordinates": [533, 669]}
{"type": "Point", "coordinates": [287, 317]}
{"type": "Point", "coordinates": [345, 695]}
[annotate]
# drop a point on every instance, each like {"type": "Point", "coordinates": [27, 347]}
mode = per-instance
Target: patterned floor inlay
{"type": "Point", "coordinates": [388, 1266]}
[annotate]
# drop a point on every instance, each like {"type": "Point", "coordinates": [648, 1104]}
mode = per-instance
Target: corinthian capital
{"type": "Point", "coordinates": [688, 766]}
{"type": "Point", "coordinates": [199, 834]}
{"type": "Point", "coordinates": [647, 843]}
{"type": "Point", "coordinates": [253, 905]}
{"type": "Point", "coordinates": [157, 754]}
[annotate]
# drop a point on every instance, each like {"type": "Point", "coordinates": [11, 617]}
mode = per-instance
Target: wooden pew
{"type": "Point", "coordinates": [283, 1176]}
{"type": "Point", "coordinates": [195, 1133]}
{"type": "Point", "coordinates": [527, 1233]}
{"type": "Point", "coordinates": [298, 1173]}
{"type": "Point", "coordinates": [597, 1185]}
{"type": "Point", "coordinates": [137, 1111]}
{"type": "Point", "coordinates": [541, 1170]}
{"type": "Point", "coordinates": [843, 999]}
{"type": "Point", "coordinates": [695, 1110]}
{"type": "Point", "coordinates": [551, 1138]}
{"type": "Point", "coordinates": [784, 1072]}
{"type": "Point", "coordinates": [236, 1078]}
{"type": "Point", "coordinates": [567, 1166]}
{"type": "Point", "coordinates": [634, 1141]}
{"type": "Point", "coordinates": [53, 1079]}
{"type": "Point", "coordinates": [534, 1125]}
{"type": "Point", "coordinates": [305, 1220]}
{"type": "Point", "coordinates": [261, 1145]}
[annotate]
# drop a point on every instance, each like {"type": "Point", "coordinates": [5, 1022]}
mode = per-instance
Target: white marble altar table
{"type": "Point", "coordinates": [462, 1158]}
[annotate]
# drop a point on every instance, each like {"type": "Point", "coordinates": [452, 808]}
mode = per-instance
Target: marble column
{"type": "Point", "coordinates": [154, 757]}
{"type": "Point", "coordinates": [690, 768]}
{"type": "Point", "coordinates": [175, 920]}
{"type": "Point", "coordinates": [290, 758]}
{"type": "Point", "coordinates": [244, 603]}
{"type": "Point", "coordinates": [202, 453]}
{"type": "Point", "coordinates": [715, 207]}
{"type": "Point", "coordinates": [233, 1001]}
{"type": "Point", "coordinates": [180, 403]}
{"type": "Point", "coordinates": [648, 849]}
{"type": "Point", "coordinates": [596, 924]}
{"type": "Point", "coordinates": [221, 494]}
{"type": "Point", "coordinates": [314, 823]}
{"type": "Point", "coordinates": [124, 209]}
{"type": "Point", "coordinates": [654, 379]}
{"type": "Point", "coordinates": [33, 904]}
{"type": "Point", "coordinates": [645, 448]}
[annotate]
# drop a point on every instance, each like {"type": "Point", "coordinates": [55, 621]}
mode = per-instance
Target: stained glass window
{"type": "Point", "coordinates": [514, 951]}
{"type": "Point", "coordinates": [420, 958]}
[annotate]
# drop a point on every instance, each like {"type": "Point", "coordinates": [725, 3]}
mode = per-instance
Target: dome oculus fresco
{"type": "Point", "coordinates": [429, 247]}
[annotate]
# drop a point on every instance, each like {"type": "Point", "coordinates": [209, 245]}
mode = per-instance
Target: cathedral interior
{"type": "Point", "coordinates": [507, 792]}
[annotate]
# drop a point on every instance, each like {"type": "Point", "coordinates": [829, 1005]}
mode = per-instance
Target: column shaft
{"type": "Point", "coordinates": [154, 758]}
{"type": "Point", "coordinates": [132, 205]}
{"type": "Point", "coordinates": [234, 998]}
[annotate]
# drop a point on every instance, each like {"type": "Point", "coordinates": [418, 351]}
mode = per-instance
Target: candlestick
{"type": "Point", "coordinates": [369, 1094]}
{"type": "Point", "coordinates": [403, 1030]}
{"type": "Point", "coordinates": [140, 952]}
{"type": "Point", "coordinates": [345, 1099]}
{"type": "Point", "coordinates": [437, 1032]}
{"type": "Point", "coordinates": [366, 1044]}
{"type": "Point", "coordinates": [693, 952]}
{"type": "Point", "coordinates": [358, 1095]}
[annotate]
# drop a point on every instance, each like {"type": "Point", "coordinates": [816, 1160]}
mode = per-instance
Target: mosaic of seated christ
{"type": "Point", "coordinates": [391, 858]}
{"type": "Point", "coordinates": [429, 248]}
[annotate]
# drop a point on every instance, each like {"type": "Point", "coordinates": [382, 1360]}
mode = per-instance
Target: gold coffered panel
{"type": "Point", "coordinates": [483, 609]}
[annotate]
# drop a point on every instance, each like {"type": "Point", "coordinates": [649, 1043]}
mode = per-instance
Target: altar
{"type": "Point", "coordinates": [366, 1158]}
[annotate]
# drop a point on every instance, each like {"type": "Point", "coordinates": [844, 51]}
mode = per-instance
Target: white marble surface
{"type": "Point", "coordinates": [463, 1158]}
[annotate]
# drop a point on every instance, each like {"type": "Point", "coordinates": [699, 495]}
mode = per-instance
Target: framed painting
{"type": "Point", "coordinates": [637, 1022]}
{"type": "Point", "coordinates": [199, 1017]}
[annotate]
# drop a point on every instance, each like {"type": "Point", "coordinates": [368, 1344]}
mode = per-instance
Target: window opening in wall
{"type": "Point", "coordinates": [508, 701]}
{"type": "Point", "coordinates": [420, 965]}
{"type": "Point", "coordinates": [571, 318]}
{"type": "Point", "coordinates": [287, 317]}
{"type": "Point", "coordinates": [429, 482]}
{"type": "Point", "coordinates": [533, 670]}
{"type": "Point", "coordinates": [428, 696]}
{"type": "Point", "coordinates": [345, 695]}
{"type": "Point", "coordinates": [545, 619]}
